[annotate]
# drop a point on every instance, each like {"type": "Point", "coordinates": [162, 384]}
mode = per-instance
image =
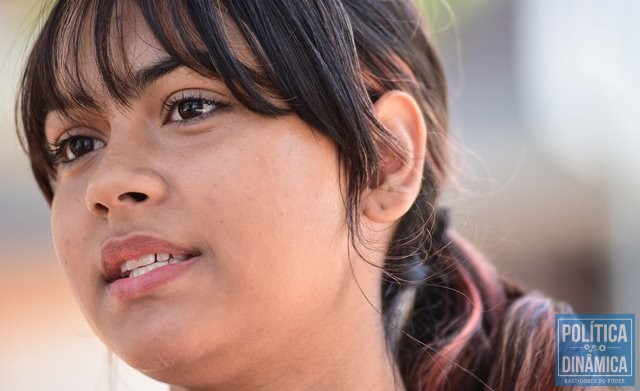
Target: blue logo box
{"type": "Point", "coordinates": [594, 349]}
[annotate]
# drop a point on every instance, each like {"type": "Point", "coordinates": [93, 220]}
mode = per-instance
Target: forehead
{"type": "Point", "coordinates": [102, 58]}
{"type": "Point", "coordinates": [138, 46]}
{"type": "Point", "coordinates": [99, 60]}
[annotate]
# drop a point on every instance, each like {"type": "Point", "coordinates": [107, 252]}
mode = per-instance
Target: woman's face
{"type": "Point", "coordinates": [254, 203]}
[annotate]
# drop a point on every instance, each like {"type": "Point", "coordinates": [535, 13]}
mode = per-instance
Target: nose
{"type": "Point", "coordinates": [123, 183]}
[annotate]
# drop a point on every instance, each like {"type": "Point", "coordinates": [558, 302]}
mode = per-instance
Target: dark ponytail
{"type": "Point", "coordinates": [467, 329]}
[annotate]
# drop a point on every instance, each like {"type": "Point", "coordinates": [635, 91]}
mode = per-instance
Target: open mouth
{"type": "Point", "coordinates": [149, 262]}
{"type": "Point", "coordinates": [136, 255]}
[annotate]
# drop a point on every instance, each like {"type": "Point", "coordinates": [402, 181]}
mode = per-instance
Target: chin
{"type": "Point", "coordinates": [152, 354]}
{"type": "Point", "coordinates": [154, 348]}
{"type": "Point", "coordinates": [188, 372]}
{"type": "Point", "coordinates": [171, 355]}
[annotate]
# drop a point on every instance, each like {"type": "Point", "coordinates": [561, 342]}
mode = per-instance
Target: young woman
{"type": "Point", "coordinates": [244, 196]}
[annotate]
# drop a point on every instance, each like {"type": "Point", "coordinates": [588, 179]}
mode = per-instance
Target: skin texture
{"type": "Point", "coordinates": [278, 299]}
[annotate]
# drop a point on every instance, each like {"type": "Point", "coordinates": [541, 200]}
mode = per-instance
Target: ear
{"type": "Point", "coordinates": [400, 176]}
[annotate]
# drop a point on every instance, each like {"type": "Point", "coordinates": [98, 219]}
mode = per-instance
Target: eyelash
{"type": "Point", "coordinates": [57, 149]}
{"type": "Point", "coordinates": [174, 102]}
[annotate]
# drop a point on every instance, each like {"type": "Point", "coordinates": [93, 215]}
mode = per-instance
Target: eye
{"type": "Point", "coordinates": [185, 108]}
{"type": "Point", "coordinates": [189, 109]}
{"type": "Point", "coordinates": [72, 148]}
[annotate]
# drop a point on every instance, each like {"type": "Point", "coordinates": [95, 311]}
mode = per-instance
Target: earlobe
{"type": "Point", "coordinates": [400, 172]}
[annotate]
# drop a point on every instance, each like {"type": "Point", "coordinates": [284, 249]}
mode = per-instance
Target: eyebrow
{"type": "Point", "coordinates": [147, 75]}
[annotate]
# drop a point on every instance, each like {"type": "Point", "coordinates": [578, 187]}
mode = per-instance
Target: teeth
{"type": "Point", "coordinates": [145, 269]}
{"type": "Point", "coordinates": [136, 263]}
{"type": "Point", "coordinates": [137, 267]}
{"type": "Point", "coordinates": [162, 257]}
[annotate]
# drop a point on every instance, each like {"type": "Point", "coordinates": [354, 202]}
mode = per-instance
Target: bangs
{"type": "Point", "coordinates": [91, 36]}
{"type": "Point", "coordinates": [276, 58]}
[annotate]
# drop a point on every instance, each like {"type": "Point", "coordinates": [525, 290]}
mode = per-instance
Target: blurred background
{"type": "Point", "coordinates": [545, 108]}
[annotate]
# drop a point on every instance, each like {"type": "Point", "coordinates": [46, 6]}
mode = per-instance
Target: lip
{"type": "Point", "coordinates": [117, 250]}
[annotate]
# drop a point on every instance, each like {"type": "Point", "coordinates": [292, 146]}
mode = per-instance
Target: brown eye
{"type": "Point", "coordinates": [75, 147]}
{"type": "Point", "coordinates": [190, 108]}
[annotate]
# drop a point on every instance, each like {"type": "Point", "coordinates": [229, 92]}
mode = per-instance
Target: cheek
{"type": "Point", "coordinates": [72, 240]}
{"type": "Point", "coordinates": [64, 226]}
{"type": "Point", "coordinates": [277, 221]}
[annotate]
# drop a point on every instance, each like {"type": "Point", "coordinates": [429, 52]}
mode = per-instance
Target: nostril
{"type": "Point", "coordinates": [138, 197]}
{"type": "Point", "coordinates": [101, 209]}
